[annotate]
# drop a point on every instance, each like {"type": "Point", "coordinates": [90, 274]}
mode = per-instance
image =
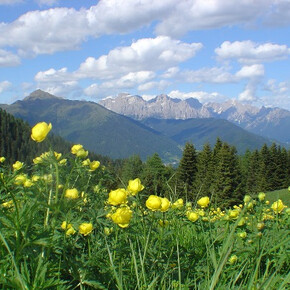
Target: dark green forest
{"type": "Point", "coordinates": [218, 171]}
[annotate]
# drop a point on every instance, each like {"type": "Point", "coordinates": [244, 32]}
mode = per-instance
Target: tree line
{"type": "Point", "coordinates": [217, 172]}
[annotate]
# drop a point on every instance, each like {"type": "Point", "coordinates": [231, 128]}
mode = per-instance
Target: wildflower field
{"type": "Point", "coordinates": [62, 228]}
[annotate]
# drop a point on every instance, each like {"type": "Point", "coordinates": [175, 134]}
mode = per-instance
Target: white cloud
{"type": "Point", "coordinates": [8, 59]}
{"type": "Point", "coordinates": [4, 86]}
{"type": "Point", "coordinates": [159, 85]}
{"type": "Point", "coordinates": [200, 14]}
{"type": "Point", "coordinates": [208, 75]}
{"type": "Point", "coordinates": [251, 52]}
{"type": "Point", "coordinates": [145, 54]}
{"type": "Point", "coordinates": [202, 96]}
{"type": "Point", "coordinates": [251, 71]}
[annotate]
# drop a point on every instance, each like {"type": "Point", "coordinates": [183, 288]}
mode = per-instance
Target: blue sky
{"type": "Point", "coordinates": [212, 50]}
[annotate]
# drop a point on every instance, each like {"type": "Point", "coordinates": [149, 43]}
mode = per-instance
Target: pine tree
{"type": "Point", "coordinates": [186, 170]}
{"type": "Point", "coordinates": [252, 176]}
{"type": "Point", "coordinates": [227, 182]}
{"type": "Point", "coordinates": [132, 168]}
{"type": "Point", "coordinates": [205, 172]}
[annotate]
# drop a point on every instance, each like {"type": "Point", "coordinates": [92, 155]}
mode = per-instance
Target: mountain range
{"type": "Point", "coordinates": [272, 123]}
{"type": "Point", "coordinates": [108, 133]}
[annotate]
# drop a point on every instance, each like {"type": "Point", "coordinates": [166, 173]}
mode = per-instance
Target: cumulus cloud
{"type": "Point", "coordinates": [61, 29]}
{"type": "Point", "coordinates": [251, 52]}
{"type": "Point", "coordinates": [202, 96]}
{"type": "Point", "coordinates": [8, 59]}
{"type": "Point", "coordinates": [208, 75]}
{"type": "Point", "coordinates": [159, 85]}
{"type": "Point", "coordinates": [251, 71]}
{"type": "Point", "coordinates": [200, 14]}
{"type": "Point", "coordinates": [157, 53]}
{"type": "Point", "coordinates": [4, 86]}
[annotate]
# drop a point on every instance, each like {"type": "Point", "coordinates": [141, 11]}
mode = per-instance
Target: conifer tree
{"type": "Point", "coordinates": [205, 172]}
{"type": "Point", "coordinates": [132, 168]}
{"type": "Point", "coordinates": [186, 170]}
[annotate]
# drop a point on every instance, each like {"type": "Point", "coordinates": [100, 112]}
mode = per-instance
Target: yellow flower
{"type": "Point", "coordinates": [242, 235]}
{"type": "Point", "coordinates": [82, 153]}
{"type": "Point", "coordinates": [57, 155]}
{"type": "Point", "coordinates": [192, 216]}
{"type": "Point", "coordinates": [260, 226]}
{"type": "Point", "coordinates": [122, 217]}
{"type": "Point", "coordinates": [241, 222]}
{"type": "Point", "coordinates": [165, 204]}
{"type": "Point", "coordinates": [178, 204]}
{"type": "Point", "coordinates": [27, 183]}
{"type": "Point", "coordinates": [261, 196]}
{"type": "Point", "coordinates": [278, 206]}
{"type": "Point", "coordinates": [247, 198]}
{"type": "Point", "coordinates": [203, 202]}
{"type": "Point", "coordinates": [2, 159]}
{"type": "Point", "coordinates": [68, 228]}
{"type": "Point", "coordinates": [20, 179]}
{"type": "Point", "coordinates": [17, 165]}
{"type": "Point", "coordinates": [72, 193]}
{"type": "Point", "coordinates": [86, 162]}
{"type": "Point", "coordinates": [40, 131]}
{"type": "Point", "coordinates": [117, 196]}
{"type": "Point", "coordinates": [108, 231]}
{"type": "Point", "coordinates": [8, 204]}
{"type": "Point", "coordinates": [85, 228]}
{"type": "Point", "coordinates": [134, 186]}
{"type": "Point", "coordinates": [94, 165]}
{"type": "Point", "coordinates": [154, 202]}
{"type": "Point", "coordinates": [76, 148]}
{"type": "Point", "coordinates": [63, 161]}
{"type": "Point", "coordinates": [35, 178]}
{"type": "Point", "coordinates": [233, 259]}
{"type": "Point", "coordinates": [37, 160]}
{"type": "Point", "coordinates": [233, 213]}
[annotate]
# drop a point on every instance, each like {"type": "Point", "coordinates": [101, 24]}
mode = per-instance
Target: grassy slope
{"type": "Point", "coordinates": [283, 194]}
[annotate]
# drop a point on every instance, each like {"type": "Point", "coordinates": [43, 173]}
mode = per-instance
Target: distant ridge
{"type": "Point", "coordinates": [273, 123]}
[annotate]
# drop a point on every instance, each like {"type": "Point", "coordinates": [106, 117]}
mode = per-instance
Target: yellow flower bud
{"type": "Point", "coordinates": [233, 259]}
{"type": "Point", "coordinates": [192, 216]}
{"type": "Point", "coordinates": [260, 226]}
{"type": "Point", "coordinates": [203, 202]}
{"type": "Point", "coordinates": [278, 206]}
{"type": "Point", "coordinates": [76, 148]}
{"type": "Point", "coordinates": [40, 131]}
{"type": "Point", "coordinates": [134, 186]}
{"type": "Point", "coordinates": [247, 198]}
{"type": "Point", "coordinates": [165, 204]}
{"type": "Point", "coordinates": [178, 204]}
{"type": "Point", "coordinates": [94, 165]}
{"type": "Point", "coordinates": [2, 159]}
{"type": "Point", "coordinates": [17, 165]}
{"type": "Point", "coordinates": [261, 196]}
{"type": "Point", "coordinates": [72, 193]}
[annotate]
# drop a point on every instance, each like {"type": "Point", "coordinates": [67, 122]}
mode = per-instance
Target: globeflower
{"type": "Point", "coordinates": [17, 165]}
{"type": "Point", "coordinates": [85, 228]}
{"type": "Point", "coordinates": [79, 151]}
{"type": "Point", "coordinates": [192, 216]}
{"type": "Point", "coordinates": [40, 131]}
{"type": "Point", "coordinates": [233, 259]}
{"type": "Point", "coordinates": [76, 148]}
{"type": "Point", "coordinates": [233, 213]}
{"type": "Point", "coordinates": [122, 216]}
{"type": "Point", "coordinates": [261, 196]}
{"type": "Point", "coordinates": [278, 206]}
{"type": "Point", "coordinates": [203, 202]}
{"type": "Point", "coordinates": [94, 165]}
{"type": "Point", "coordinates": [134, 186]}
{"type": "Point", "coordinates": [247, 198]}
{"type": "Point", "coordinates": [2, 159]}
{"type": "Point", "coordinates": [72, 193]}
{"type": "Point", "coordinates": [165, 204]}
{"type": "Point", "coordinates": [68, 228]}
{"type": "Point", "coordinates": [154, 202]}
{"type": "Point", "coordinates": [178, 204]}
{"type": "Point", "coordinates": [20, 179]}
{"type": "Point", "coordinates": [117, 197]}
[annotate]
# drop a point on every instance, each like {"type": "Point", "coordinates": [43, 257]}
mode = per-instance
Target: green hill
{"type": "Point", "coordinates": [200, 131]}
{"type": "Point", "coordinates": [96, 128]}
